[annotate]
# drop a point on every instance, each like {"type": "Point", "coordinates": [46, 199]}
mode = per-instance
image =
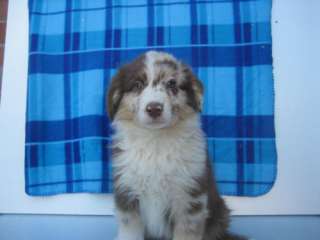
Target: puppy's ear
{"type": "Point", "coordinates": [193, 87]}
{"type": "Point", "coordinates": [115, 94]}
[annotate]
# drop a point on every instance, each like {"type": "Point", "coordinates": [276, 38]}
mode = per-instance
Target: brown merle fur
{"type": "Point", "coordinates": [123, 82]}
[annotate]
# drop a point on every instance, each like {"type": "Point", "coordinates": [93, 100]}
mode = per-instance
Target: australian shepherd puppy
{"type": "Point", "coordinates": [163, 183]}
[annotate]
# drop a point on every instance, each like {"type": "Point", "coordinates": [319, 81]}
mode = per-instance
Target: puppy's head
{"type": "Point", "coordinates": [154, 91]}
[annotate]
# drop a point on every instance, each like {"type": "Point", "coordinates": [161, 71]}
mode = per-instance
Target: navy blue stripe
{"type": "Point", "coordinates": [34, 42]}
{"type": "Point", "coordinates": [117, 38]}
{"type": "Point", "coordinates": [89, 126]}
{"type": "Point", "coordinates": [68, 153]}
{"type": "Point", "coordinates": [106, 163]}
{"type": "Point", "coordinates": [67, 93]}
{"type": "Point", "coordinates": [109, 31]}
{"type": "Point", "coordinates": [115, 58]}
{"type": "Point", "coordinates": [240, 129]}
{"type": "Point", "coordinates": [194, 26]}
{"type": "Point", "coordinates": [226, 126]}
{"type": "Point", "coordinates": [160, 35]}
{"type": "Point", "coordinates": [239, 97]}
{"type": "Point", "coordinates": [247, 32]}
{"type": "Point", "coordinates": [195, 53]}
{"type": "Point", "coordinates": [67, 31]}
{"type": "Point", "coordinates": [240, 165]}
{"type": "Point", "coordinates": [30, 5]}
{"type": "Point", "coordinates": [250, 147]}
{"type": "Point", "coordinates": [105, 172]}
{"type": "Point", "coordinates": [203, 34]}
{"type": "Point", "coordinates": [76, 41]}
{"type": "Point", "coordinates": [39, 131]}
{"type": "Point", "coordinates": [45, 63]}
{"type": "Point", "coordinates": [33, 156]}
{"type": "Point", "coordinates": [150, 14]}
{"type": "Point", "coordinates": [67, 63]}
{"type": "Point", "coordinates": [27, 163]}
{"type": "Point", "coordinates": [108, 28]}
{"type": "Point", "coordinates": [134, 6]}
{"type": "Point", "coordinates": [76, 152]}
{"type": "Point", "coordinates": [68, 164]}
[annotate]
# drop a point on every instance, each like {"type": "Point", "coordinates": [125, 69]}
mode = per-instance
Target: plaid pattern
{"type": "Point", "coordinates": [75, 48]}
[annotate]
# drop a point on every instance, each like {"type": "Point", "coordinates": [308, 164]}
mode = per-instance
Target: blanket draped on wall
{"type": "Point", "coordinates": [75, 48]}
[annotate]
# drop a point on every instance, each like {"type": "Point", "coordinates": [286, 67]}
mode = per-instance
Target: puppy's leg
{"type": "Point", "coordinates": [191, 224]}
{"type": "Point", "coordinates": [127, 211]}
{"type": "Point", "coordinates": [130, 226]}
{"type": "Point", "coordinates": [190, 228]}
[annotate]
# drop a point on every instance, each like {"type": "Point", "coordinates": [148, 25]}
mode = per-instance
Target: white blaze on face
{"type": "Point", "coordinates": [154, 94]}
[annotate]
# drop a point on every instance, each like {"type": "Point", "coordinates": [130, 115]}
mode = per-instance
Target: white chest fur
{"type": "Point", "coordinates": [159, 166]}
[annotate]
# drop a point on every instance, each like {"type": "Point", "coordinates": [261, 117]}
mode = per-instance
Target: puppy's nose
{"type": "Point", "coordinates": [154, 109]}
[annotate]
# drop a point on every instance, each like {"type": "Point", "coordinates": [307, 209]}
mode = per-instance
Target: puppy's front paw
{"type": "Point", "coordinates": [128, 237]}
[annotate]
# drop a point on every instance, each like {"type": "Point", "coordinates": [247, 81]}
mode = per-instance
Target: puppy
{"type": "Point", "coordinates": [163, 183]}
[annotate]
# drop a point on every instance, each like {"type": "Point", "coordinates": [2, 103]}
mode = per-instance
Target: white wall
{"type": "Point", "coordinates": [296, 36]}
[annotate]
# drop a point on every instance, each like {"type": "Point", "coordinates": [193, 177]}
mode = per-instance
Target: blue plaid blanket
{"type": "Point", "coordinates": [75, 48]}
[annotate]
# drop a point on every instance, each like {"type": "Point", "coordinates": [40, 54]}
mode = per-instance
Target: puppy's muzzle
{"type": "Point", "coordinates": [154, 109]}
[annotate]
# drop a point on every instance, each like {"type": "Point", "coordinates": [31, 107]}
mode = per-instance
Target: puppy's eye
{"type": "Point", "coordinates": [171, 84]}
{"type": "Point", "coordinates": [138, 85]}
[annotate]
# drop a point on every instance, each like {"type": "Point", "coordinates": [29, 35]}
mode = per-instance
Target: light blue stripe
{"type": "Point", "coordinates": [86, 21]}
{"type": "Point", "coordinates": [258, 90]}
{"type": "Point", "coordinates": [45, 97]}
{"type": "Point", "coordinates": [227, 188]}
{"type": "Point", "coordinates": [266, 152]}
{"type": "Point", "coordinates": [90, 170]}
{"type": "Point", "coordinates": [219, 97]}
{"type": "Point", "coordinates": [87, 91]}
{"type": "Point", "coordinates": [220, 13]}
{"type": "Point", "coordinates": [48, 6]}
{"type": "Point", "coordinates": [90, 4]}
{"type": "Point", "coordinates": [53, 25]}
{"type": "Point", "coordinates": [47, 101]}
{"type": "Point", "coordinates": [47, 190]}
{"type": "Point", "coordinates": [252, 172]}
{"type": "Point", "coordinates": [255, 11]}
{"type": "Point", "coordinates": [52, 173]}
{"type": "Point", "coordinates": [175, 15]}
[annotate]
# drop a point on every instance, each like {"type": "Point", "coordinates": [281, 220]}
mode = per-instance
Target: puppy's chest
{"type": "Point", "coordinates": [159, 166]}
{"type": "Point", "coordinates": [159, 178]}
{"type": "Point", "coordinates": [155, 171]}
